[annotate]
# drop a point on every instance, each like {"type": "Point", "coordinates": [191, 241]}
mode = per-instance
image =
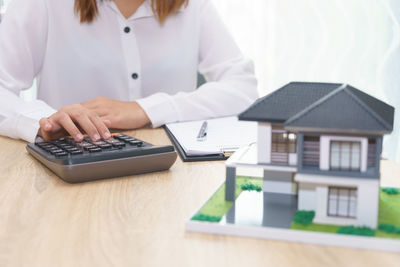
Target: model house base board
{"type": "Point", "coordinates": [246, 217]}
{"type": "Point", "coordinates": [357, 242]}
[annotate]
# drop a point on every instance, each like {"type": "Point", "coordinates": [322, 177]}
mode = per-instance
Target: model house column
{"type": "Point", "coordinates": [368, 204]}
{"type": "Point", "coordinates": [264, 140]}
{"type": "Point", "coordinates": [230, 184]}
{"type": "Point", "coordinates": [299, 148]}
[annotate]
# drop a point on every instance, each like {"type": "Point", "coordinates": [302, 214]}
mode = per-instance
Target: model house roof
{"type": "Point", "coordinates": [322, 106]}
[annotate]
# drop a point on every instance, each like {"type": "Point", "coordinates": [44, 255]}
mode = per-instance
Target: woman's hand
{"type": "Point", "coordinates": [120, 114]}
{"type": "Point", "coordinates": [70, 120]}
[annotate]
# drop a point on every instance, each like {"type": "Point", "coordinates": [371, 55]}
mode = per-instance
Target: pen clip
{"type": "Point", "coordinates": [202, 136]}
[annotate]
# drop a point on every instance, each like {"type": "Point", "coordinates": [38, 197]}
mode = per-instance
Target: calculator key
{"type": "Point", "coordinates": [72, 149]}
{"type": "Point", "coordinates": [119, 144]}
{"type": "Point", "coordinates": [92, 150]}
{"type": "Point", "coordinates": [55, 151]}
{"type": "Point", "coordinates": [48, 145]}
{"type": "Point", "coordinates": [89, 147]}
{"type": "Point", "coordinates": [105, 146]}
{"type": "Point", "coordinates": [99, 143]}
{"type": "Point", "coordinates": [48, 148]}
{"type": "Point", "coordinates": [112, 141]}
{"type": "Point", "coordinates": [122, 137]}
{"type": "Point", "coordinates": [60, 154]}
{"type": "Point", "coordinates": [84, 144]}
{"type": "Point", "coordinates": [41, 143]}
{"type": "Point", "coordinates": [136, 143]}
{"type": "Point", "coordinates": [76, 152]}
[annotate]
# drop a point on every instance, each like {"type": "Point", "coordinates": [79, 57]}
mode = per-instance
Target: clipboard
{"type": "Point", "coordinates": [186, 158]}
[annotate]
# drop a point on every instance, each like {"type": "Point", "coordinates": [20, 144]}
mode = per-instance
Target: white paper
{"type": "Point", "coordinates": [223, 135]}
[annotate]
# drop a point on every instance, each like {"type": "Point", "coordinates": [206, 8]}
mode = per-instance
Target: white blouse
{"type": "Point", "coordinates": [134, 59]}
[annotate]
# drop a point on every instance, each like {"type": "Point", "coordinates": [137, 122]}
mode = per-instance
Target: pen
{"type": "Point", "coordinates": [202, 136]}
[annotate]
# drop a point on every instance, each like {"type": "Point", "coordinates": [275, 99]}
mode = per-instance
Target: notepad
{"type": "Point", "coordinates": [224, 135]}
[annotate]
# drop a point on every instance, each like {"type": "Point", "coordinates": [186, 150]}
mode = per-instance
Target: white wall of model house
{"type": "Point", "coordinates": [313, 190]}
{"type": "Point", "coordinates": [313, 195]}
{"type": "Point", "coordinates": [325, 154]}
{"type": "Point", "coordinates": [281, 182]}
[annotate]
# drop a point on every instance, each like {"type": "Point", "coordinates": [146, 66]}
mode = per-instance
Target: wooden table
{"type": "Point", "coordinates": [137, 221]}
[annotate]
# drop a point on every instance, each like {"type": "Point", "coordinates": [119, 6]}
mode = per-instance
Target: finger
{"type": "Point", "coordinates": [107, 123]}
{"type": "Point", "coordinates": [45, 124]}
{"type": "Point", "coordinates": [53, 136]}
{"type": "Point", "coordinates": [55, 126]}
{"type": "Point", "coordinates": [100, 126]}
{"type": "Point", "coordinates": [66, 122]}
{"type": "Point", "coordinates": [87, 125]}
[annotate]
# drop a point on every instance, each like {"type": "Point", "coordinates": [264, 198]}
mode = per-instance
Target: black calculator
{"type": "Point", "coordinates": [121, 155]}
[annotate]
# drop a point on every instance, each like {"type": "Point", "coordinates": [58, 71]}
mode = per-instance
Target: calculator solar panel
{"type": "Point", "coordinates": [84, 161]}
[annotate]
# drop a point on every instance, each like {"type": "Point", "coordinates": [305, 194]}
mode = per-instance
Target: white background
{"type": "Point", "coordinates": [349, 41]}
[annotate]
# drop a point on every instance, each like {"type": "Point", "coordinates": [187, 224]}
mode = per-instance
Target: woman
{"type": "Point", "coordinates": [116, 64]}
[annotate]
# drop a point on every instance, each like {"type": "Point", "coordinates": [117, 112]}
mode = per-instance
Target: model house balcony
{"type": "Point", "coordinates": [277, 148]}
{"type": "Point", "coordinates": [339, 155]}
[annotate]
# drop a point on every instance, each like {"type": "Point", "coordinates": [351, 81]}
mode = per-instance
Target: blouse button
{"type": "Point", "coordinates": [135, 76]}
{"type": "Point", "coordinates": [127, 29]}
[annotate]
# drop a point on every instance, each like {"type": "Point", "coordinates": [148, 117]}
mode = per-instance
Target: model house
{"type": "Point", "coordinates": [321, 142]}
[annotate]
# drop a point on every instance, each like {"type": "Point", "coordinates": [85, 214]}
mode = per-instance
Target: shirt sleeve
{"type": "Point", "coordinates": [231, 86]}
{"type": "Point", "coordinates": [23, 36]}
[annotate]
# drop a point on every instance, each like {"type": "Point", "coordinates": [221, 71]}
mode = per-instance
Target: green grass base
{"type": "Point", "coordinates": [216, 206]}
{"type": "Point", "coordinates": [389, 208]}
{"type": "Point", "coordinates": [389, 213]}
{"type": "Point", "coordinates": [325, 228]}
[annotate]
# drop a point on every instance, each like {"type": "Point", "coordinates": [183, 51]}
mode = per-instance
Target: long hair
{"type": "Point", "coordinates": [88, 10]}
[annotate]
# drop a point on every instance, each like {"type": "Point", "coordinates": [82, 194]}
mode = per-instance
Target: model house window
{"type": "Point", "coordinates": [345, 156]}
{"type": "Point", "coordinates": [283, 142]}
{"type": "Point", "coordinates": [311, 147]}
{"type": "Point", "coordinates": [342, 202]}
{"type": "Point", "coordinates": [371, 153]}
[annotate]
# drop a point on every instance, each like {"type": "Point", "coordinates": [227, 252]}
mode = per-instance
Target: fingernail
{"type": "Point", "coordinates": [96, 137]}
{"type": "Point", "coordinates": [47, 126]}
{"type": "Point", "coordinates": [79, 136]}
{"type": "Point", "coordinates": [107, 135]}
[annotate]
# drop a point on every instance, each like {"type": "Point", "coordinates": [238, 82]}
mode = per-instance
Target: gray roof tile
{"type": "Point", "coordinates": [287, 101]}
{"type": "Point", "coordinates": [332, 107]}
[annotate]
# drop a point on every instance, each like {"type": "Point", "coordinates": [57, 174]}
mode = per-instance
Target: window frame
{"type": "Point", "coordinates": [281, 137]}
{"type": "Point", "coordinates": [341, 143]}
{"type": "Point", "coordinates": [338, 199]}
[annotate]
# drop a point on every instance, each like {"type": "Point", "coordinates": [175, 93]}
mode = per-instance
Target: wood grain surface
{"type": "Point", "coordinates": [139, 220]}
